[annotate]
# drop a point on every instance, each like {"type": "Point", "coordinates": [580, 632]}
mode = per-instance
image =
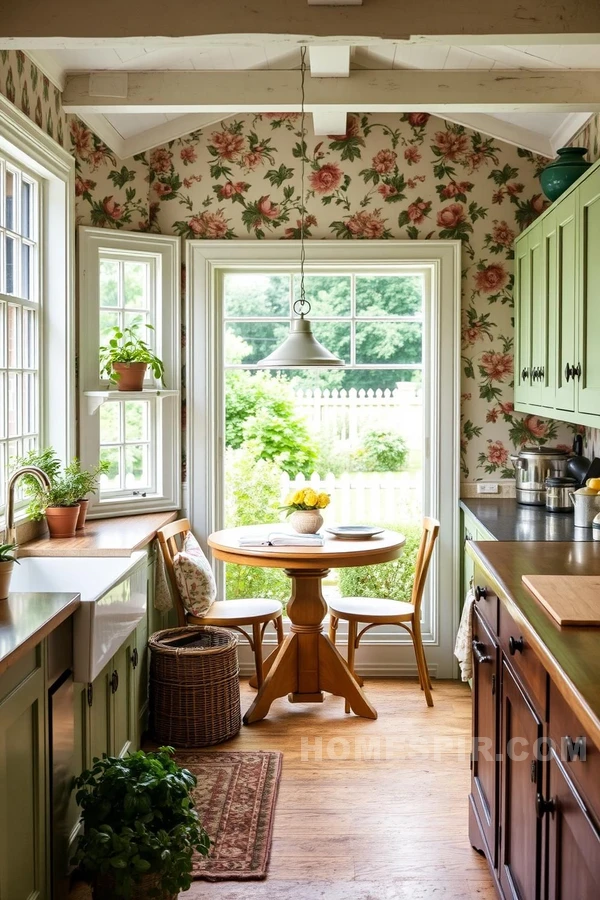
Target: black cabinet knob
{"type": "Point", "coordinates": [135, 657]}
{"type": "Point", "coordinates": [569, 372]}
{"type": "Point", "coordinates": [480, 593]}
{"type": "Point", "coordinates": [525, 374]}
{"type": "Point", "coordinates": [515, 645]}
{"type": "Point", "coordinates": [576, 372]}
{"type": "Point", "coordinates": [543, 806]}
{"type": "Point", "coordinates": [114, 682]}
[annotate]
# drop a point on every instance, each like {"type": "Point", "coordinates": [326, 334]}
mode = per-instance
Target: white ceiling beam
{"type": "Point", "coordinates": [170, 131]}
{"type": "Point", "coordinates": [67, 22]}
{"type": "Point", "coordinates": [365, 91]}
{"type": "Point", "coordinates": [505, 131]}
{"type": "Point", "coordinates": [330, 61]}
{"type": "Point", "coordinates": [101, 127]}
{"type": "Point", "coordinates": [330, 121]}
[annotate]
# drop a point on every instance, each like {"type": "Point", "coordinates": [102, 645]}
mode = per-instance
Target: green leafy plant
{"type": "Point", "coordinates": [7, 553]}
{"type": "Point", "coordinates": [139, 819]}
{"type": "Point", "coordinates": [392, 580]}
{"type": "Point", "coordinates": [126, 346]}
{"type": "Point", "coordinates": [381, 451]}
{"type": "Point", "coordinates": [87, 479]}
{"type": "Point", "coordinates": [64, 485]}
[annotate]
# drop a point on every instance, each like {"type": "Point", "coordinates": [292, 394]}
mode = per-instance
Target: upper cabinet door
{"type": "Point", "coordinates": [589, 297]}
{"type": "Point", "coordinates": [566, 302]}
{"type": "Point", "coordinates": [544, 316]}
{"type": "Point", "coordinates": [522, 321]}
{"type": "Point", "coordinates": [537, 324]}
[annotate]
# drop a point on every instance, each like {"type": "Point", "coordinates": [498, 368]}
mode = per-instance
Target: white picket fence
{"type": "Point", "coordinates": [365, 498]}
{"type": "Point", "coordinates": [342, 415]}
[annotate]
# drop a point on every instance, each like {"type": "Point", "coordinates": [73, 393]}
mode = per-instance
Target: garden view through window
{"type": "Point", "coordinates": [356, 432]}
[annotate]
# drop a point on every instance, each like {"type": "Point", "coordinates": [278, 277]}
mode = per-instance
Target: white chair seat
{"type": "Point", "coordinates": [371, 609]}
{"type": "Point", "coordinates": [239, 612]}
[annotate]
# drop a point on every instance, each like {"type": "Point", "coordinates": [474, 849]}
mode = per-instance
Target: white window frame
{"type": "Point", "coordinates": [36, 152]}
{"type": "Point", "coordinates": [206, 261]}
{"type": "Point", "coordinates": [164, 251]}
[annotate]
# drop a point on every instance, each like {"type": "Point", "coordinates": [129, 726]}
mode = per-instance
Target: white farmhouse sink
{"type": "Point", "coordinates": [113, 601]}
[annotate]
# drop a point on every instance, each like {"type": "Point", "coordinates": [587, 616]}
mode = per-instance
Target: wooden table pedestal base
{"type": "Point", "coordinates": [307, 663]}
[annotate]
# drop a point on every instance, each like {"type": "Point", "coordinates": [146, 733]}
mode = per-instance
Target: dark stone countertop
{"type": "Point", "coordinates": [507, 520]}
{"type": "Point", "coordinates": [26, 619]}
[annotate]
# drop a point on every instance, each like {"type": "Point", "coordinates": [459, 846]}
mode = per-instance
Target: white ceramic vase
{"type": "Point", "coordinates": [306, 521]}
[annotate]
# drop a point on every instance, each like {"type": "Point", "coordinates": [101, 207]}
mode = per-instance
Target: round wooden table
{"type": "Point", "coordinates": [307, 663]}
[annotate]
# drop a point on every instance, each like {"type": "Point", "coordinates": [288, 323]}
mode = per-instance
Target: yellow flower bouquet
{"type": "Point", "coordinates": [305, 498]}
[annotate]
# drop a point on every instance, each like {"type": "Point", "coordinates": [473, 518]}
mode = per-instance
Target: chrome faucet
{"type": "Point", "coordinates": [37, 473]}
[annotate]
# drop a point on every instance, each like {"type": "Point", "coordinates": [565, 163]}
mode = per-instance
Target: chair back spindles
{"type": "Point", "coordinates": [431, 529]}
{"type": "Point", "coordinates": [168, 540]}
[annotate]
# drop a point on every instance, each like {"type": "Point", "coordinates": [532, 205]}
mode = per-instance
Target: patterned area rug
{"type": "Point", "coordinates": [235, 798]}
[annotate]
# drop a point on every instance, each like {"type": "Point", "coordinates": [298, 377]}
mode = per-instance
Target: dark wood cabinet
{"type": "Point", "coordinates": [573, 838]}
{"type": "Point", "coordinates": [485, 733]}
{"type": "Point", "coordinates": [519, 866]}
{"type": "Point", "coordinates": [534, 807]}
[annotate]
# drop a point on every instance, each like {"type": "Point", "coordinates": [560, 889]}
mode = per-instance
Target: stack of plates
{"type": "Point", "coordinates": [354, 532]}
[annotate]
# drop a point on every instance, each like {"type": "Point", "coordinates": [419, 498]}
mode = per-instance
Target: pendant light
{"type": "Point", "coordinates": [301, 348]}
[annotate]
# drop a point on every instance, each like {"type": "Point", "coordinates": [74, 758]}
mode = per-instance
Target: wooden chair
{"type": "Point", "coordinates": [376, 611]}
{"type": "Point", "coordinates": [232, 614]}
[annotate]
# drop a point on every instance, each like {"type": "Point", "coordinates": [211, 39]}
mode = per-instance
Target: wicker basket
{"type": "Point", "coordinates": [194, 686]}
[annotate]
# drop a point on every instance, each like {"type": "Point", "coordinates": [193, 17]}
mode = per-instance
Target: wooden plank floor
{"type": "Point", "coordinates": [368, 810]}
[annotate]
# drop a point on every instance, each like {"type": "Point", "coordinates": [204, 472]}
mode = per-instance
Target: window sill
{"type": "Point", "coordinates": [95, 399]}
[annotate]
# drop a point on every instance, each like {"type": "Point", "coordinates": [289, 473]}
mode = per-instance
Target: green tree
{"type": "Point", "coordinates": [259, 408]}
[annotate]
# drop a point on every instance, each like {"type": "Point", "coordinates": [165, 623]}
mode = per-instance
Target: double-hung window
{"type": "Point", "coordinates": [20, 313]}
{"type": "Point", "coordinates": [130, 280]}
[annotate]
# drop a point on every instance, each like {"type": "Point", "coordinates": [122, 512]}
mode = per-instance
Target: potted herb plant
{"type": "Point", "coordinates": [7, 562]}
{"type": "Point", "coordinates": [140, 827]}
{"type": "Point", "coordinates": [87, 479]}
{"type": "Point", "coordinates": [126, 357]}
{"type": "Point", "coordinates": [58, 503]}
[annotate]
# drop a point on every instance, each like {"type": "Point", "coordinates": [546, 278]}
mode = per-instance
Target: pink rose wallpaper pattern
{"type": "Point", "coordinates": [412, 176]}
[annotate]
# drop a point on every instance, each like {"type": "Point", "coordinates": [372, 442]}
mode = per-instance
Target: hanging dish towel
{"type": "Point", "coordinates": [463, 649]}
{"type": "Point", "coordinates": [162, 591]}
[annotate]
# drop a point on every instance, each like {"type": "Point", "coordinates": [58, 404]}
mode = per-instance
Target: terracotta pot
{"type": "Point", "coordinates": [6, 568]}
{"type": "Point", "coordinates": [131, 376]}
{"type": "Point", "coordinates": [62, 520]}
{"type": "Point", "coordinates": [83, 511]}
{"type": "Point", "coordinates": [306, 521]}
{"type": "Point", "coordinates": [149, 887]}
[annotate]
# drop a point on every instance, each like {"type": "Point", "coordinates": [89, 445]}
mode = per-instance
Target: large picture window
{"type": "Point", "coordinates": [20, 314]}
{"type": "Point", "coordinates": [130, 280]}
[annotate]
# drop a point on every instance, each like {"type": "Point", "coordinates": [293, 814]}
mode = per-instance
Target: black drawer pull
{"type": "Point", "coordinates": [114, 682]}
{"type": "Point", "coordinates": [135, 658]}
{"type": "Point", "coordinates": [543, 806]}
{"type": "Point", "coordinates": [478, 651]}
{"type": "Point", "coordinates": [515, 645]}
{"type": "Point", "coordinates": [480, 593]}
{"type": "Point", "coordinates": [524, 374]}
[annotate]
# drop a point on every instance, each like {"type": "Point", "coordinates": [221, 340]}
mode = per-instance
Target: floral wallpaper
{"type": "Point", "coordinates": [33, 93]}
{"type": "Point", "coordinates": [412, 176]}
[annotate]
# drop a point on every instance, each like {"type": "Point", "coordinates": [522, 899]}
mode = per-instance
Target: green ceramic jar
{"type": "Point", "coordinates": [562, 172]}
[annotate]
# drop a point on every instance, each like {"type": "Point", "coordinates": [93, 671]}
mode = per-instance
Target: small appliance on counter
{"type": "Point", "coordinates": [596, 528]}
{"type": "Point", "coordinates": [558, 493]}
{"type": "Point", "coordinates": [587, 507]}
{"type": "Point", "coordinates": [533, 466]}
{"type": "Point", "coordinates": [578, 465]}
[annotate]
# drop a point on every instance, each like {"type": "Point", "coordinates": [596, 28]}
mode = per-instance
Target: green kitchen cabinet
{"type": "Point", "coordinates": [557, 313]}
{"type": "Point", "coordinates": [23, 867]}
{"type": "Point", "coordinates": [112, 725]}
{"type": "Point", "coordinates": [565, 308]}
{"type": "Point", "coordinates": [588, 360]}
{"type": "Point", "coordinates": [471, 531]}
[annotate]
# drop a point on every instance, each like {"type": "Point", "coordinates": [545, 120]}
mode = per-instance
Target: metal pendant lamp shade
{"type": "Point", "coordinates": [301, 348]}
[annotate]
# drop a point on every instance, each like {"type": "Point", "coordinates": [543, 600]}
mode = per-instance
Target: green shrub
{"type": "Point", "coordinates": [252, 497]}
{"type": "Point", "coordinates": [381, 451]}
{"type": "Point", "coordinates": [392, 580]}
{"type": "Point", "coordinates": [261, 407]}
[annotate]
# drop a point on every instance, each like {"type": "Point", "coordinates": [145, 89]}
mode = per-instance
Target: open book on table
{"type": "Point", "coordinates": [280, 539]}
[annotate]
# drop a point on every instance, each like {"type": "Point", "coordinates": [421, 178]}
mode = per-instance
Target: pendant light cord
{"type": "Point", "coordinates": [302, 306]}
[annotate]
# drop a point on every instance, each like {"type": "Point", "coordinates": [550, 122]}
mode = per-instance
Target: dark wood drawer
{"type": "Point", "coordinates": [486, 601]}
{"type": "Point", "coordinates": [582, 765]}
{"type": "Point", "coordinates": [523, 660]}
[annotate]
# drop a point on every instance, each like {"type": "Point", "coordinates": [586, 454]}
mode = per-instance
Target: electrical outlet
{"type": "Point", "coordinates": [488, 487]}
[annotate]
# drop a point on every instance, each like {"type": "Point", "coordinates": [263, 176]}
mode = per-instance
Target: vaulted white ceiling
{"type": "Point", "coordinates": [129, 132]}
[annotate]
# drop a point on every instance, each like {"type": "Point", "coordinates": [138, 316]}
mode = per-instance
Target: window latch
{"type": "Point", "coordinates": [139, 493]}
